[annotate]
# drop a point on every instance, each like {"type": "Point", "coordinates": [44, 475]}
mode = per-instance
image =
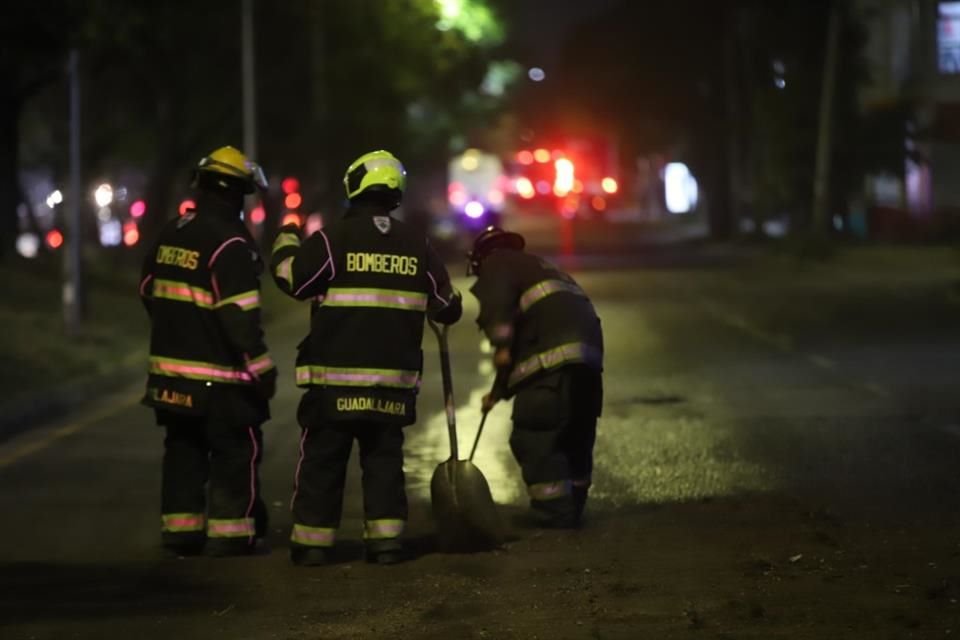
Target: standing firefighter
{"type": "Point", "coordinates": [211, 377]}
{"type": "Point", "coordinates": [371, 279]}
{"type": "Point", "coordinates": [548, 351]}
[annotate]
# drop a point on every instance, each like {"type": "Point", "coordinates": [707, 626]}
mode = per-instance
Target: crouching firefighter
{"type": "Point", "coordinates": [372, 279]}
{"type": "Point", "coordinates": [548, 352]}
{"type": "Point", "coordinates": [210, 377]}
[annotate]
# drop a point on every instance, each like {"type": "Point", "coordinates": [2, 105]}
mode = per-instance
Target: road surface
{"type": "Point", "coordinates": [777, 457]}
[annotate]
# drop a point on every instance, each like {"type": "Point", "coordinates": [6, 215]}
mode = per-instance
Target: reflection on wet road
{"type": "Point", "coordinates": [428, 445]}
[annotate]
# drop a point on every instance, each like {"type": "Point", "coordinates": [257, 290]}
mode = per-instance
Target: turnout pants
{"type": "Point", "coordinates": [554, 429]}
{"type": "Point", "coordinates": [321, 475]}
{"type": "Point", "coordinates": [211, 483]}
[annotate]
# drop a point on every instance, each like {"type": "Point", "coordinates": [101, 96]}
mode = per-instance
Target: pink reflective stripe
{"type": "Point", "coordinates": [159, 366]}
{"type": "Point", "coordinates": [247, 301]}
{"type": "Point", "coordinates": [328, 263]}
{"type": "Point", "coordinates": [185, 522]}
{"type": "Point", "coordinates": [261, 364]}
{"type": "Point", "coordinates": [178, 522]}
{"type": "Point", "coordinates": [224, 528]}
{"type": "Point", "coordinates": [377, 298]}
{"type": "Point", "coordinates": [296, 475]}
{"type": "Point", "coordinates": [383, 528]}
{"type": "Point", "coordinates": [320, 375]}
{"type": "Point", "coordinates": [253, 476]}
{"type": "Point", "coordinates": [333, 267]}
{"type": "Point", "coordinates": [185, 292]}
{"type": "Point", "coordinates": [367, 377]}
{"type": "Point", "coordinates": [315, 536]}
{"type": "Point", "coordinates": [223, 246]}
{"type": "Point", "coordinates": [436, 289]}
{"type": "Point", "coordinates": [143, 285]}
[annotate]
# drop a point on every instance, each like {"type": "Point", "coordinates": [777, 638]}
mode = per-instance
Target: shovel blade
{"type": "Point", "coordinates": [463, 508]}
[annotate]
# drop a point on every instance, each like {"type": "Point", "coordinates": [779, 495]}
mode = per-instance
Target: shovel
{"type": "Point", "coordinates": [463, 508]}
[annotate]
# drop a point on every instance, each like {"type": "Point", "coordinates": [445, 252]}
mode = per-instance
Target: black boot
{"type": "Point", "coordinates": [386, 551]}
{"type": "Point", "coordinates": [309, 556]}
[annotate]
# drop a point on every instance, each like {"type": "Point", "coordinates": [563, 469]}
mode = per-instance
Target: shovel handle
{"type": "Point", "coordinates": [448, 403]}
{"type": "Point", "coordinates": [476, 439]}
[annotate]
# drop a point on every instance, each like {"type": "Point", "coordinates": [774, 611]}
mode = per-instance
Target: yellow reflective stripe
{"type": "Point", "coordinates": [183, 292]}
{"type": "Point", "coordinates": [246, 300]}
{"type": "Point", "coordinates": [383, 529]}
{"type": "Point", "coordinates": [285, 239]}
{"type": "Point", "coordinates": [376, 298]}
{"type": "Point", "coordinates": [230, 528]}
{"type": "Point", "coordinates": [549, 490]}
{"type": "Point", "coordinates": [284, 271]}
{"type": "Point", "coordinates": [357, 377]}
{"type": "Point", "coordinates": [182, 522]}
{"type": "Point", "coordinates": [541, 290]}
{"type": "Point", "coordinates": [565, 353]}
{"type": "Point", "coordinates": [196, 370]}
{"type": "Point", "coordinates": [313, 536]}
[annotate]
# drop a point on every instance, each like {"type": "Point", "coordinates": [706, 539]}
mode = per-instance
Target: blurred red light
{"type": "Point", "coordinates": [525, 157]}
{"type": "Point", "coordinates": [541, 155]}
{"type": "Point", "coordinates": [290, 185]}
{"type": "Point", "coordinates": [290, 218]}
{"type": "Point", "coordinates": [54, 239]}
{"type": "Point", "coordinates": [138, 208]}
{"type": "Point", "coordinates": [131, 235]}
{"type": "Point", "coordinates": [187, 205]}
{"type": "Point", "coordinates": [293, 200]}
{"type": "Point", "coordinates": [599, 203]}
{"type": "Point", "coordinates": [257, 215]}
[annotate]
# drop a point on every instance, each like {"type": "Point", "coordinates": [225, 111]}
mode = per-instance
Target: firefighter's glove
{"type": "Point", "coordinates": [502, 358]}
{"type": "Point", "coordinates": [489, 402]}
{"type": "Point", "coordinates": [452, 312]}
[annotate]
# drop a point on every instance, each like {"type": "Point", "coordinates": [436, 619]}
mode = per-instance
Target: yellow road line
{"type": "Point", "coordinates": [47, 439]}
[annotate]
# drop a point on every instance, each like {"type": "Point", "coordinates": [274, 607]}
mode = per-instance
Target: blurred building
{"type": "Point", "coordinates": [913, 52]}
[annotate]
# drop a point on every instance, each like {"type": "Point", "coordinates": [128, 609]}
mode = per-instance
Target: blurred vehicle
{"type": "Point", "coordinates": [475, 190]}
{"type": "Point", "coordinates": [578, 178]}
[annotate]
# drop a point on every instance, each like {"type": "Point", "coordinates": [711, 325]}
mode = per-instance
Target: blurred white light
{"type": "Point", "coordinates": [103, 195]}
{"type": "Point", "coordinates": [111, 233]}
{"type": "Point", "coordinates": [838, 223]}
{"type": "Point", "coordinates": [563, 183]}
{"type": "Point", "coordinates": [680, 188]}
{"type": "Point", "coordinates": [121, 194]}
{"type": "Point", "coordinates": [473, 209]}
{"type": "Point", "coordinates": [780, 82]}
{"type": "Point", "coordinates": [104, 214]}
{"type": "Point", "coordinates": [536, 74]}
{"type": "Point", "coordinates": [28, 244]}
{"type": "Point", "coordinates": [54, 198]}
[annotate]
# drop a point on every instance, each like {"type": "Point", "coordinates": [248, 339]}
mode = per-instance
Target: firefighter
{"type": "Point", "coordinates": [211, 377]}
{"type": "Point", "coordinates": [548, 354]}
{"type": "Point", "coordinates": [371, 279]}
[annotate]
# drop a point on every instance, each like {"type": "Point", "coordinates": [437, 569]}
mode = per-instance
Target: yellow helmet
{"type": "Point", "coordinates": [377, 170]}
{"type": "Point", "coordinates": [231, 169]}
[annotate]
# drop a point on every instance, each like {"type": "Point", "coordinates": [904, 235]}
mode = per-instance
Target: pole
{"type": "Point", "coordinates": [821, 179]}
{"type": "Point", "coordinates": [249, 96]}
{"type": "Point", "coordinates": [73, 290]}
